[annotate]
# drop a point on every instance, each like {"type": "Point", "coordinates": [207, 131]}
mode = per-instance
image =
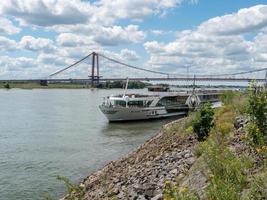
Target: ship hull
{"type": "Point", "coordinates": [116, 114]}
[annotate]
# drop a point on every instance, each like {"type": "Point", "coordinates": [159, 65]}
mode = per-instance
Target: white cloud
{"type": "Point", "coordinates": [51, 59]}
{"type": "Point", "coordinates": [15, 68]}
{"type": "Point", "coordinates": [244, 21]}
{"type": "Point", "coordinates": [105, 12]}
{"type": "Point", "coordinates": [118, 35]}
{"type": "Point", "coordinates": [73, 40]}
{"type": "Point", "coordinates": [201, 52]}
{"type": "Point", "coordinates": [154, 47]}
{"type": "Point", "coordinates": [47, 12]}
{"type": "Point", "coordinates": [105, 36]}
{"type": "Point", "coordinates": [130, 55]}
{"type": "Point", "coordinates": [36, 44]}
{"type": "Point", "coordinates": [7, 44]}
{"type": "Point", "coordinates": [216, 46]}
{"type": "Point", "coordinates": [158, 32]}
{"type": "Point", "coordinates": [7, 27]}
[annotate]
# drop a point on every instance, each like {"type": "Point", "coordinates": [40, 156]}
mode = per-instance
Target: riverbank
{"type": "Point", "coordinates": [175, 164]}
{"type": "Point", "coordinates": [71, 85]}
{"type": "Point", "coordinates": [33, 85]}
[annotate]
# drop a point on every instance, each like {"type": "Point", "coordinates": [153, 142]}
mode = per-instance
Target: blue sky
{"type": "Point", "coordinates": [38, 37]}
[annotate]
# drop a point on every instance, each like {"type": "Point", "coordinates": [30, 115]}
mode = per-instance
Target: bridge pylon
{"type": "Point", "coordinates": [95, 69]}
{"type": "Point", "coordinates": [265, 81]}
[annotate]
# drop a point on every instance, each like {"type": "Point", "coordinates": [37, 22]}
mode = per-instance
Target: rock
{"type": "Point", "coordinates": [157, 197]}
{"type": "Point", "coordinates": [174, 171]}
{"type": "Point", "coordinates": [132, 194]}
{"type": "Point", "coordinates": [196, 182]}
{"type": "Point", "coordinates": [141, 197]}
{"type": "Point", "coordinates": [142, 173]}
{"type": "Point", "coordinates": [187, 155]}
{"type": "Point", "coordinates": [116, 191]}
{"type": "Point", "coordinates": [240, 122]}
{"type": "Point", "coordinates": [190, 161]}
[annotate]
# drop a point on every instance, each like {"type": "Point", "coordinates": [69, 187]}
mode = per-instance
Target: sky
{"type": "Point", "coordinates": [38, 37]}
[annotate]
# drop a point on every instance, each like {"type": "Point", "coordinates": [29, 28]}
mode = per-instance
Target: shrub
{"type": "Point", "coordinates": [227, 97]}
{"type": "Point", "coordinates": [255, 137]}
{"type": "Point", "coordinates": [227, 179]}
{"type": "Point", "coordinates": [7, 86]}
{"type": "Point", "coordinates": [203, 121]}
{"type": "Point", "coordinates": [257, 110]}
{"type": "Point", "coordinates": [235, 100]}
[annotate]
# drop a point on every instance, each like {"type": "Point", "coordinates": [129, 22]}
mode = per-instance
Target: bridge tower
{"type": "Point", "coordinates": [95, 69]}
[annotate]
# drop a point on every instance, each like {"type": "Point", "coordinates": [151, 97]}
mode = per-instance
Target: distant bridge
{"type": "Point", "coordinates": [123, 70]}
{"type": "Point", "coordinates": [139, 79]}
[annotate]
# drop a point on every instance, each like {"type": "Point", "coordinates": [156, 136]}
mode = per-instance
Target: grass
{"type": "Point", "coordinates": [228, 174]}
{"type": "Point", "coordinates": [258, 188]}
{"type": "Point", "coordinates": [228, 171]}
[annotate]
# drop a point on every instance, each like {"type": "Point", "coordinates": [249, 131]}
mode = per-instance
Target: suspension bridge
{"type": "Point", "coordinates": [89, 70]}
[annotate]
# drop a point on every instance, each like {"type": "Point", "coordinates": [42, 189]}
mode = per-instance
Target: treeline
{"type": "Point", "coordinates": [121, 84]}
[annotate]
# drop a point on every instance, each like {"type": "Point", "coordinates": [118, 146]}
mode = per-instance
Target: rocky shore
{"type": "Point", "coordinates": [142, 173]}
{"type": "Point", "coordinates": [170, 156]}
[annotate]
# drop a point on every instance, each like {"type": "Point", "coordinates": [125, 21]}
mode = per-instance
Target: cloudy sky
{"type": "Point", "coordinates": [38, 37]}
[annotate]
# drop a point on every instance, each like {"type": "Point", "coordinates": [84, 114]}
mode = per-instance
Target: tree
{"type": "Point", "coordinates": [203, 121]}
{"type": "Point", "coordinates": [257, 110]}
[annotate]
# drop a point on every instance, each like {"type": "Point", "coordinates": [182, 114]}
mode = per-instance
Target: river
{"type": "Point", "coordinates": [50, 132]}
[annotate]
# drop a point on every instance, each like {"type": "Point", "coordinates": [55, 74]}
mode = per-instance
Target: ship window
{"type": "Point", "coordinates": [148, 103]}
{"type": "Point", "coordinates": [170, 101]}
{"type": "Point", "coordinates": [136, 103]}
{"type": "Point", "coordinates": [120, 103]}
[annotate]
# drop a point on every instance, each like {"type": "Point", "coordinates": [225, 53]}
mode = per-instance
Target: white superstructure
{"type": "Point", "coordinates": [139, 107]}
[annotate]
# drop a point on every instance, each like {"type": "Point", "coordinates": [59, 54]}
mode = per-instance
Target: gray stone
{"type": "Point", "coordinates": [157, 197]}
{"type": "Point", "coordinates": [190, 161]}
{"type": "Point", "coordinates": [187, 155]}
{"type": "Point", "coordinates": [141, 197]}
{"type": "Point", "coordinates": [174, 171]}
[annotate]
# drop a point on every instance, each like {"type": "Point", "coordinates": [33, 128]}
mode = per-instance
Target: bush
{"type": "Point", "coordinates": [227, 97]}
{"type": "Point", "coordinates": [7, 86]}
{"type": "Point", "coordinates": [227, 179]}
{"type": "Point", "coordinates": [203, 121]}
{"type": "Point", "coordinates": [257, 110]}
{"type": "Point", "coordinates": [255, 137]}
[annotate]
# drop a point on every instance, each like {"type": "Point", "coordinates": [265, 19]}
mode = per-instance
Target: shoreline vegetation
{"type": "Point", "coordinates": [102, 85]}
{"type": "Point", "coordinates": [70, 85]}
{"type": "Point", "coordinates": [211, 154]}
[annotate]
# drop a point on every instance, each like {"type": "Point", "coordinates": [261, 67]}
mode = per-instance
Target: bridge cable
{"type": "Point", "coordinates": [131, 66]}
{"type": "Point", "coordinates": [237, 73]}
{"type": "Point", "coordinates": [72, 65]}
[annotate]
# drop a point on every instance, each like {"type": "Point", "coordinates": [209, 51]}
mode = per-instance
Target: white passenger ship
{"type": "Point", "coordinates": [128, 107]}
{"type": "Point", "coordinates": [141, 107]}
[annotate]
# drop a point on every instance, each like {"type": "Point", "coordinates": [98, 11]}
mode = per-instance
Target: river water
{"type": "Point", "coordinates": [45, 133]}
